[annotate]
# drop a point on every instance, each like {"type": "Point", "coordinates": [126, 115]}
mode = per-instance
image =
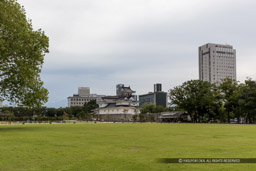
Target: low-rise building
{"type": "Point", "coordinates": [83, 97]}
{"type": "Point", "coordinates": [175, 116]}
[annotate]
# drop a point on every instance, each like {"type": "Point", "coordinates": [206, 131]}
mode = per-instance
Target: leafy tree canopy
{"type": "Point", "coordinates": [90, 106]}
{"type": "Point", "coordinates": [229, 92]}
{"type": "Point", "coordinates": [22, 52]}
{"type": "Point", "coordinates": [196, 97]}
{"type": "Point", "coordinates": [147, 108]}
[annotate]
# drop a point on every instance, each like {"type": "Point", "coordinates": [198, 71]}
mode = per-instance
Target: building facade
{"type": "Point", "coordinates": [83, 97]}
{"type": "Point", "coordinates": [158, 97]}
{"type": "Point", "coordinates": [217, 62]}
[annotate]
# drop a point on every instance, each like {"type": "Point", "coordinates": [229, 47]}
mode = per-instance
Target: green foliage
{"type": "Point", "coordinates": [142, 117]}
{"type": "Point", "coordinates": [87, 116]}
{"type": "Point", "coordinates": [152, 117]}
{"type": "Point", "coordinates": [196, 97]}
{"type": "Point", "coordinates": [75, 110]}
{"type": "Point", "coordinates": [134, 117]}
{"type": "Point", "coordinates": [7, 112]}
{"type": "Point", "coordinates": [207, 102]}
{"type": "Point", "coordinates": [81, 115]}
{"type": "Point", "coordinates": [90, 106]}
{"type": "Point", "coordinates": [147, 108]}
{"type": "Point", "coordinates": [60, 111]}
{"type": "Point", "coordinates": [159, 109]}
{"type": "Point", "coordinates": [65, 116]}
{"type": "Point", "coordinates": [247, 100]}
{"type": "Point", "coordinates": [51, 112]}
{"type": "Point", "coordinates": [22, 52]}
{"type": "Point", "coordinates": [229, 90]}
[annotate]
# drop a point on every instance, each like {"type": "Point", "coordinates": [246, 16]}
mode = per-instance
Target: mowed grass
{"type": "Point", "coordinates": [123, 146]}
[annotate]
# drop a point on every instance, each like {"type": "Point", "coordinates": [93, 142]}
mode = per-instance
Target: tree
{"type": "Point", "coordinates": [147, 108]}
{"type": "Point", "coordinates": [60, 112]}
{"type": "Point", "coordinates": [152, 117]}
{"type": "Point", "coordinates": [142, 117]}
{"type": "Point", "coordinates": [247, 100]}
{"type": "Point", "coordinates": [197, 98]}
{"type": "Point", "coordinates": [229, 90]}
{"type": "Point", "coordinates": [87, 117]}
{"type": "Point", "coordinates": [51, 112]}
{"type": "Point", "coordinates": [65, 116]}
{"type": "Point", "coordinates": [81, 115]}
{"type": "Point", "coordinates": [90, 106]}
{"type": "Point", "coordinates": [76, 110]}
{"type": "Point", "coordinates": [22, 52]}
{"type": "Point", "coordinates": [159, 109]}
{"type": "Point", "coordinates": [134, 117]}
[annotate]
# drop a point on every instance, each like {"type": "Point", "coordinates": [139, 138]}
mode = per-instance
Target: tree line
{"type": "Point", "coordinates": [85, 112]}
{"type": "Point", "coordinates": [223, 102]}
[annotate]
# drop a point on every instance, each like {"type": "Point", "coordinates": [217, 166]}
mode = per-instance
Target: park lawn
{"type": "Point", "coordinates": [123, 146]}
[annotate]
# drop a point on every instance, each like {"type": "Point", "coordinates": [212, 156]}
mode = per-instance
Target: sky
{"type": "Point", "coordinates": [101, 43]}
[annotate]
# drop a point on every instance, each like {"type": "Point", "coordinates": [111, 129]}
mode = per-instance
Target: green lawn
{"type": "Point", "coordinates": [122, 146]}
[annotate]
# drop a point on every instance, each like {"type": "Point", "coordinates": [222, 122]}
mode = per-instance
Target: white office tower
{"type": "Point", "coordinates": [217, 62]}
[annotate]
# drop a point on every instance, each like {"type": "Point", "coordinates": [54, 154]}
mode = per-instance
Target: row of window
{"type": "Point", "coordinates": [224, 50]}
{"type": "Point", "coordinates": [220, 65]}
{"type": "Point", "coordinates": [83, 100]}
{"type": "Point", "coordinates": [76, 103]}
{"type": "Point", "coordinates": [224, 56]}
{"type": "Point", "coordinates": [228, 53]}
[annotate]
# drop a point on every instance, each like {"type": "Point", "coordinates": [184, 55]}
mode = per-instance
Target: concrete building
{"type": "Point", "coordinates": [217, 62]}
{"type": "Point", "coordinates": [120, 107]}
{"type": "Point", "coordinates": [83, 91]}
{"type": "Point", "coordinates": [158, 97]}
{"type": "Point", "coordinates": [82, 97]}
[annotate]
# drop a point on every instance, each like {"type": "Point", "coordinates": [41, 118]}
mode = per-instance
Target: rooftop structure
{"type": "Point", "coordinates": [83, 91]}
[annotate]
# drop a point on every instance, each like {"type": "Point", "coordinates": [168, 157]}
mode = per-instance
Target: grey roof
{"type": "Point", "coordinates": [110, 97]}
{"type": "Point", "coordinates": [175, 114]}
{"type": "Point", "coordinates": [150, 93]}
{"type": "Point", "coordinates": [115, 98]}
{"type": "Point", "coordinates": [128, 89]}
{"type": "Point", "coordinates": [110, 105]}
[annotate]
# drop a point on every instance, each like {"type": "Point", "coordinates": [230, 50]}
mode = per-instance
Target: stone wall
{"type": "Point", "coordinates": [115, 118]}
{"type": "Point", "coordinates": [128, 118]}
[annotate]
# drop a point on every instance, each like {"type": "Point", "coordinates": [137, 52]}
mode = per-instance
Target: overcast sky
{"type": "Point", "coordinates": [101, 43]}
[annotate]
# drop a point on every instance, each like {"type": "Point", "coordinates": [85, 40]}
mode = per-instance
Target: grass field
{"type": "Point", "coordinates": [123, 146]}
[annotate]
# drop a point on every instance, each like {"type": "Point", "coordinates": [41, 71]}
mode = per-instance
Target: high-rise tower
{"type": "Point", "coordinates": [217, 62]}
